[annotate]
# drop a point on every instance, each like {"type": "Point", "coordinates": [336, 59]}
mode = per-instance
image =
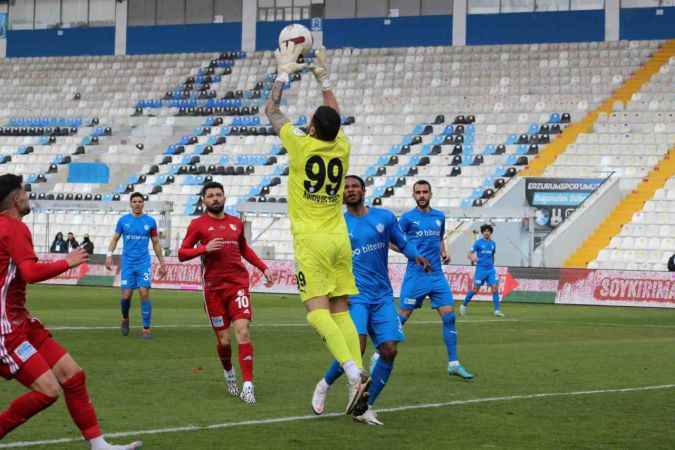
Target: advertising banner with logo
{"type": "Point", "coordinates": [187, 276]}
{"type": "Point", "coordinates": [616, 288]}
{"type": "Point", "coordinates": [555, 199]}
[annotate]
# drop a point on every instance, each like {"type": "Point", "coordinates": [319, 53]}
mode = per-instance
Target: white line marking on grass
{"type": "Point", "coordinates": [314, 417]}
{"type": "Point", "coordinates": [257, 325]}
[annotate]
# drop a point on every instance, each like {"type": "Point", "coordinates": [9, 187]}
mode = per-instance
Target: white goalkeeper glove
{"type": "Point", "coordinates": [320, 69]}
{"type": "Point", "coordinates": [287, 60]}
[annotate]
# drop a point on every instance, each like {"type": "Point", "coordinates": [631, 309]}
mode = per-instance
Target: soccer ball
{"type": "Point", "coordinates": [298, 34]}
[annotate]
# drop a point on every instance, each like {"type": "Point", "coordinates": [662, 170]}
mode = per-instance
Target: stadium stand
{"type": "Point", "coordinates": [175, 121]}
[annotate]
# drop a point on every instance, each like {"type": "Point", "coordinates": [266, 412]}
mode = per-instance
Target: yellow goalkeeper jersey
{"type": "Point", "coordinates": [317, 170]}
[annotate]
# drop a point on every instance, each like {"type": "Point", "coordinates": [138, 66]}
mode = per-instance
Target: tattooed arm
{"type": "Point", "coordinates": [330, 100]}
{"type": "Point", "coordinates": [273, 107]}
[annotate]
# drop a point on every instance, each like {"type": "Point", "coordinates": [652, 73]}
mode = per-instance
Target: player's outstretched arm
{"type": "Point", "coordinates": [400, 243]}
{"type": "Point", "coordinates": [287, 64]}
{"type": "Point", "coordinates": [320, 71]}
{"type": "Point", "coordinates": [273, 107]}
{"type": "Point", "coordinates": [34, 271]}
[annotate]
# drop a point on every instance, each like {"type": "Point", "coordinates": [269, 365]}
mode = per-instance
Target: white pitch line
{"type": "Point", "coordinates": [259, 325]}
{"type": "Point", "coordinates": [314, 417]}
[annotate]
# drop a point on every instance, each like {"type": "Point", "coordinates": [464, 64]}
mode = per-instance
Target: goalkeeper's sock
{"type": "Point", "coordinates": [346, 325]}
{"type": "Point", "coordinates": [325, 326]}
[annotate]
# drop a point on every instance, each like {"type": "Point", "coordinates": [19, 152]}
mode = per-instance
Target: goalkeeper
{"type": "Point", "coordinates": [318, 163]}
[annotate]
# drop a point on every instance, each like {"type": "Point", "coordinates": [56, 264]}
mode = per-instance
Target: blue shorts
{"type": "Point", "coordinates": [485, 275]}
{"type": "Point", "coordinates": [378, 320]}
{"type": "Point", "coordinates": [416, 288]}
{"type": "Point", "coordinates": [136, 276]}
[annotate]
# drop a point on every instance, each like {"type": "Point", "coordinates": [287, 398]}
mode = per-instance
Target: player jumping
{"type": "Point", "coordinates": [28, 352]}
{"type": "Point", "coordinates": [482, 254]}
{"type": "Point", "coordinates": [425, 227]}
{"type": "Point", "coordinates": [136, 265]}
{"type": "Point", "coordinates": [373, 310]}
{"type": "Point", "coordinates": [227, 299]}
{"type": "Point", "coordinates": [318, 163]}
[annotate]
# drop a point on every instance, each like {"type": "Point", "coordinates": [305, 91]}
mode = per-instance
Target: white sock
{"type": "Point", "coordinates": [453, 363]}
{"type": "Point", "coordinates": [247, 384]}
{"type": "Point", "coordinates": [352, 372]}
{"type": "Point", "coordinates": [98, 443]}
{"type": "Point", "coordinates": [323, 385]}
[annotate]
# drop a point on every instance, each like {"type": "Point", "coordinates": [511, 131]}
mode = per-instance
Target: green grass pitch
{"type": "Point", "coordinates": [175, 380]}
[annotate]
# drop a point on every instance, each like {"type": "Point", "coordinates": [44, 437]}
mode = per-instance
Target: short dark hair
{"type": "Point", "coordinates": [212, 185]}
{"type": "Point", "coordinates": [359, 179]}
{"type": "Point", "coordinates": [486, 227]}
{"type": "Point", "coordinates": [425, 182]}
{"type": "Point", "coordinates": [8, 184]}
{"type": "Point", "coordinates": [326, 123]}
{"type": "Point", "coordinates": [136, 194]}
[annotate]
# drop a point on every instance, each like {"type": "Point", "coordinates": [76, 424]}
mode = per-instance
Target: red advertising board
{"type": "Point", "coordinates": [616, 288]}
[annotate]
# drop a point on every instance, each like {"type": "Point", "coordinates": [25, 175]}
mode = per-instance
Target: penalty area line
{"type": "Point", "coordinates": [189, 428]}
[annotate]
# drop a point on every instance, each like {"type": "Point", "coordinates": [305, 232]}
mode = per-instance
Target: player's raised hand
{"type": "Point", "coordinates": [215, 244]}
{"type": "Point", "coordinates": [320, 68]}
{"type": "Point", "coordinates": [287, 58]}
{"type": "Point", "coordinates": [422, 261]}
{"type": "Point", "coordinates": [269, 279]}
{"type": "Point", "coordinates": [77, 257]}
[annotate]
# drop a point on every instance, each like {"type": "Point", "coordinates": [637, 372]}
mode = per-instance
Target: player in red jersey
{"type": "Point", "coordinates": [226, 282]}
{"type": "Point", "coordinates": [28, 353]}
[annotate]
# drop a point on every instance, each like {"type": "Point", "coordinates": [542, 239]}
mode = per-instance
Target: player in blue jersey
{"type": "Point", "coordinates": [482, 255]}
{"type": "Point", "coordinates": [372, 310]}
{"type": "Point", "coordinates": [425, 227]}
{"type": "Point", "coordinates": [138, 229]}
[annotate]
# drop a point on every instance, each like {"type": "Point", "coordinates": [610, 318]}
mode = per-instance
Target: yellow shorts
{"type": "Point", "coordinates": [323, 265]}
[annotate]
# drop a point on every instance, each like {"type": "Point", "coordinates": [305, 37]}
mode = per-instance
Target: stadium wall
{"type": "Point", "coordinates": [61, 42]}
{"type": "Point", "coordinates": [196, 38]}
{"type": "Point", "coordinates": [410, 31]}
{"type": "Point", "coordinates": [517, 284]}
{"type": "Point", "coordinates": [647, 23]}
{"type": "Point", "coordinates": [538, 27]}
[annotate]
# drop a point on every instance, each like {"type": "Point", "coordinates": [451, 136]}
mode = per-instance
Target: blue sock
{"type": "Point", "coordinates": [124, 306]}
{"type": "Point", "coordinates": [495, 300]}
{"type": "Point", "coordinates": [333, 372]}
{"type": "Point", "coordinates": [146, 312]}
{"type": "Point", "coordinates": [379, 377]}
{"type": "Point", "coordinates": [469, 296]}
{"type": "Point", "coordinates": [403, 319]}
{"type": "Point", "coordinates": [450, 335]}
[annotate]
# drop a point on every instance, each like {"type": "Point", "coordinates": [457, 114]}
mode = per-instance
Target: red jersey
{"type": "Point", "coordinates": [18, 266]}
{"type": "Point", "coordinates": [223, 268]}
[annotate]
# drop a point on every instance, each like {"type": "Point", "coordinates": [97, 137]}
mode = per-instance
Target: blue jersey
{"type": "Point", "coordinates": [370, 236]}
{"type": "Point", "coordinates": [485, 251]}
{"type": "Point", "coordinates": [426, 230]}
{"type": "Point", "coordinates": [136, 232]}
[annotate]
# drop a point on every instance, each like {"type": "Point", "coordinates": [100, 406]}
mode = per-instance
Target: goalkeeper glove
{"type": "Point", "coordinates": [320, 69]}
{"type": "Point", "coordinates": [287, 60]}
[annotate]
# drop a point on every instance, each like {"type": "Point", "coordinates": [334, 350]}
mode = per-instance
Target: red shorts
{"type": "Point", "coordinates": [224, 306]}
{"type": "Point", "coordinates": [28, 352]}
